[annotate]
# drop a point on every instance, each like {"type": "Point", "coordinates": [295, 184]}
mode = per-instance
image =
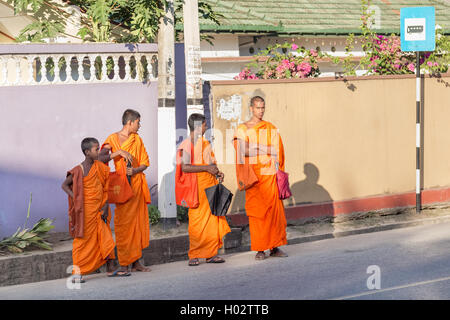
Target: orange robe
{"type": "Point", "coordinates": [92, 250]}
{"type": "Point", "coordinates": [131, 224]}
{"type": "Point", "coordinates": [265, 211]}
{"type": "Point", "coordinates": [206, 231]}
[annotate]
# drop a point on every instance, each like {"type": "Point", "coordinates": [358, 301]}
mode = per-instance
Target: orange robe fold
{"type": "Point", "coordinates": [92, 250]}
{"type": "Point", "coordinates": [131, 224]}
{"type": "Point", "coordinates": [206, 231]}
{"type": "Point", "coordinates": [265, 211]}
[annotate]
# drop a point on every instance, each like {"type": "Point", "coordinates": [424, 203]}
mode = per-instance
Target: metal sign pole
{"type": "Point", "coordinates": [417, 34]}
{"type": "Point", "coordinates": [418, 134]}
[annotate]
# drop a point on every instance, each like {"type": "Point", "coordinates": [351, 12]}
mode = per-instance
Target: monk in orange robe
{"type": "Point", "coordinates": [131, 222]}
{"type": "Point", "coordinates": [259, 141]}
{"type": "Point", "coordinates": [89, 214]}
{"type": "Point", "coordinates": [206, 231]}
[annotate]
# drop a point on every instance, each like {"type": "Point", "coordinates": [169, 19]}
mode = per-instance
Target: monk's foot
{"type": "Point", "coordinates": [194, 262]}
{"type": "Point", "coordinates": [137, 266]}
{"type": "Point", "coordinates": [120, 272]}
{"type": "Point", "coordinates": [215, 259]}
{"type": "Point", "coordinates": [261, 255]}
{"type": "Point", "coordinates": [277, 252]}
{"type": "Point", "coordinates": [78, 279]}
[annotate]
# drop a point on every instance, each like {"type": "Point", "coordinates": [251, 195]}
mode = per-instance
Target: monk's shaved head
{"type": "Point", "coordinates": [130, 115]}
{"type": "Point", "coordinates": [87, 144]}
{"type": "Point", "coordinates": [256, 99]}
{"type": "Point", "coordinates": [195, 120]}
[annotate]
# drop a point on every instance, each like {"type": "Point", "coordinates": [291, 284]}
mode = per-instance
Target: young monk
{"type": "Point", "coordinates": [87, 188]}
{"type": "Point", "coordinates": [206, 231]}
{"type": "Point", "coordinates": [131, 224]}
{"type": "Point", "coordinates": [259, 140]}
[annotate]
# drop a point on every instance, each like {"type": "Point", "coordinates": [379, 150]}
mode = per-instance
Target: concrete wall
{"type": "Point", "coordinates": [224, 45]}
{"type": "Point", "coordinates": [41, 128]}
{"type": "Point", "coordinates": [344, 139]}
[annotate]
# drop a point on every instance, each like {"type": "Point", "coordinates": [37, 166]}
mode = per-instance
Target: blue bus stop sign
{"type": "Point", "coordinates": [417, 29]}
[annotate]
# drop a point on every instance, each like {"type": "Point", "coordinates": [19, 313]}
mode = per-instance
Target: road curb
{"type": "Point", "coordinates": [386, 227]}
{"type": "Point", "coordinates": [44, 266]}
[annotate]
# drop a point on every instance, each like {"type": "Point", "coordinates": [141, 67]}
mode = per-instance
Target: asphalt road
{"type": "Point", "coordinates": [412, 263]}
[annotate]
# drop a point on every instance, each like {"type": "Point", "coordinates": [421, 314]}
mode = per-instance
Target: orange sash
{"type": "Point", "coordinates": [186, 190]}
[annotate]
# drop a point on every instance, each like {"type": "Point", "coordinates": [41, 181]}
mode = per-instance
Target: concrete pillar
{"type": "Point", "coordinates": [191, 36]}
{"type": "Point", "coordinates": [166, 119]}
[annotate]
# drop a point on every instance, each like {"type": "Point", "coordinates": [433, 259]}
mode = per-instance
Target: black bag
{"type": "Point", "coordinates": [219, 198]}
{"type": "Point", "coordinates": [129, 165]}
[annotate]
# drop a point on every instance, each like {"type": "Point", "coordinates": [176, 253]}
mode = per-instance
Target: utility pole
{"type": "Point", "coordinates": [191, 36]}
{"type": "Point", "coordinates": [166, 117]}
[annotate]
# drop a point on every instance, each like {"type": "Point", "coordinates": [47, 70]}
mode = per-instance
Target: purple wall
{"type": "Point", "coordinates": [41, 128]}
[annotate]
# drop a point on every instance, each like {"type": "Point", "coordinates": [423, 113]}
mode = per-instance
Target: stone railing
{"type": "Point", "coordinates": [48, 64]}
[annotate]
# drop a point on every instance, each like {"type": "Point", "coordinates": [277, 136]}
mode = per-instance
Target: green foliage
{"type": "Point", "coordinates": [99, 12]}
{"type": "Point", "coordinates": [153, 214]}
{"type": "Point", "coordinates": [22, 5]}
{"type": "Point", "coordinates": [182, 213]}
{"type": "Point", "coordinates": [383, 54]}
{"type": "Point", "coordinates": [25, 238]}
{"type": "Point", "coordinates": [48, 27]}
{"type": "Point", "coordinates": [283, 61]}
{"type": "Point", "coordinates": [439, 60]}
{"type": "Point", "coordinates": [140, 17]}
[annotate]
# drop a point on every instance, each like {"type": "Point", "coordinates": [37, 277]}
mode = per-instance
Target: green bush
{"type": "Point", "coordinates": [182, 213]}
{"type": "Point", "coordinates": [153, 214]}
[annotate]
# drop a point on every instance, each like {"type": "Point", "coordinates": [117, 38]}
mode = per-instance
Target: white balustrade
{"type": "Point", "coordinates": [116, 68]}
{"type": "Point", "coordinates": [37, 69]}
{"type": "Point", "coordinates": [30, 63]}
{"type": "Point", "coordinates": [92, 68]}
{"type": "Point", "coordinates": [127, 68]}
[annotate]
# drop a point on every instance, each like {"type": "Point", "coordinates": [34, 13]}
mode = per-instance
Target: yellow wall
{"type": "Point", "coordinates": [345, 139]}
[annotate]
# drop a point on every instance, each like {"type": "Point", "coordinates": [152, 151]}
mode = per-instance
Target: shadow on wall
{"type": "Point", "coordinates": [304, 192]}
{"type": "Point", "coordinates": [308, 190]}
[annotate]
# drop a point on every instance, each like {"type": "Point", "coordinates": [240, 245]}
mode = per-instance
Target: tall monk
{"type": "Point", "coordinates": [260, 143]}
{"type": "Point", "coordinates": [131, 224]}
{"type": "Point", "coordinates": [195, 157]}
{"type": "Point", "coordinates": [89, 214]}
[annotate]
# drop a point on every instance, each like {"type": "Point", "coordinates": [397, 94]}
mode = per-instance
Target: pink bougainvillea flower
{"type": "Point", "coordinates": [396, 66]}
{"type": "Point", "coordinates": [430, 63]}
{"type": "Point", "coordinates": [305, 67]}
{"type": "Point", "coordinates": [313, 52]}
{"type": "Point", "coordinates": [435, 64]}
{"type": "Point", "coordinates": [246, 74]}
{"type": "Point", "coordinates": [411, 67]}
{"type": "Point", "coordinates": [294, 46]}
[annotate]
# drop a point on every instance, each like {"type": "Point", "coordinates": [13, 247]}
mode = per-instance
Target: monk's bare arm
{"type": "Point", "coordinates": [133, 171]}
{"type": "Point", "coordinates": [66, 185]}
{"type": "Point", "coordinates": [105, 156]}
{"type": "Point", "coordinates": [189, 168]}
